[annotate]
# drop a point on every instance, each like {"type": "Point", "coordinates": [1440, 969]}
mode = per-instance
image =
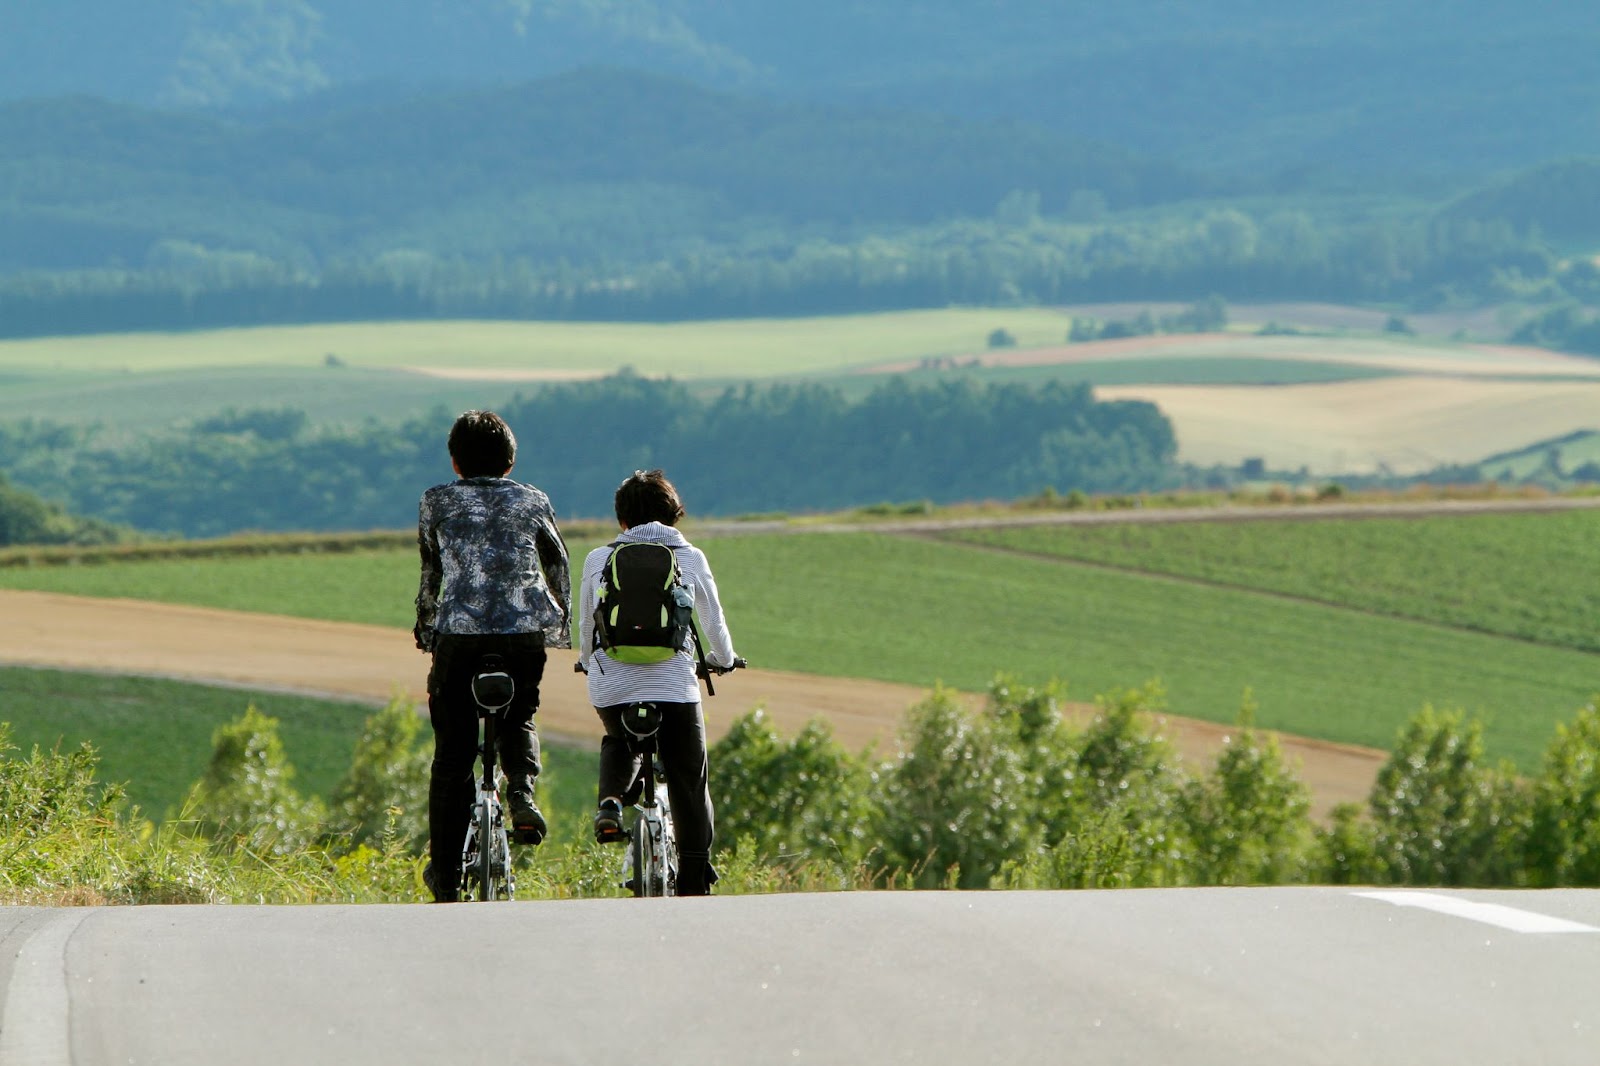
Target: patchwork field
{"type": "Point", "coordinates": [1335, 630]}
{"type": "Point", "coordinates": [536, 350]}
{"type": "Point", "coordinates": [154, 733]}
{"type": "Point", "coordinates": [1350, 400]}
{"type": "Point", "coordinates": [1406, 425]}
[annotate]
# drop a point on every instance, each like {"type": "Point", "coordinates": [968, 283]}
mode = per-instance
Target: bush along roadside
{"type": "Point", "coordinates": [1005, 796]}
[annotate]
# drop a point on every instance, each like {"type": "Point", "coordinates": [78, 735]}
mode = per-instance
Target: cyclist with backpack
{"type": "Point", "coordinates": [495, 582]}
{"type": "Point", "coordinates": [637, 598]}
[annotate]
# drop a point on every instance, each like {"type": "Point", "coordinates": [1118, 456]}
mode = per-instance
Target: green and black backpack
{"type": "Point", "coordinates": [644, 613]}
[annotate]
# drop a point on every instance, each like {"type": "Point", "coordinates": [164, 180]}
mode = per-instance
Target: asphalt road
{"type": "Point", "coordinates": [1227, 976]}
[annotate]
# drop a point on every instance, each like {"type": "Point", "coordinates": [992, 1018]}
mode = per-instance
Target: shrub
{"type": "Point", "coordinates": [949, 805]}
{"type": "Point", "coordinates": [386, 787]}
{"type": "Point", "coordinates": [1440, 816]}
{"type": "Point", "coordinates": [246, 795]}
{"type": "Point", "coordinates": [1347, 850]}
{"type": "Point", "coordinates": [805, 797]}
{"type": "Point", "coordinates": [1248, 821]}
{"type": "Point", "coordinates": [1564, 836]}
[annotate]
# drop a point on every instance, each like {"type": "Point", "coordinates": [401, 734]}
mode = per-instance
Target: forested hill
{"type": "Point", "coordinates": [1362, 84]}
{"type": "Point", "coordinates": [754, 449]}
{"type": "Point", "coordinates": [583, 166]}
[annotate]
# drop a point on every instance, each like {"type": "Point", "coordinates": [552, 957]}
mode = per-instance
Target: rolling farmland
{"type": "Point", "coordinates": [1350, 667]}
{"type": "Point", "coordinates": [1343, 400]}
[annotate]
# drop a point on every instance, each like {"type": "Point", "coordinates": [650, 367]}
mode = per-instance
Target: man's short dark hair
{"type": "Point", "coordinates": [648, 496]}
{"type": "Point", "coordinates": [482, 445]}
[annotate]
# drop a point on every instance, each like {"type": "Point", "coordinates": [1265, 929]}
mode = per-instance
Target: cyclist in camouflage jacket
{"type": "Point", "coordinates": [495, 581]}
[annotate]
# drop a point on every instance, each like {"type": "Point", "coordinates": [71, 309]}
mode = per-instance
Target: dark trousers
{"type": "Point", "coordinates": [454, 713]}
{"type": "Point", "coordinates": [682, 743]}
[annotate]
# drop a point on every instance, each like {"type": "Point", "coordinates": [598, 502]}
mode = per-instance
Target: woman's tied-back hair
{"type": "Point", "coordinates": [648, 496]}
{"type": "Point", "coordinates": [482, 445]}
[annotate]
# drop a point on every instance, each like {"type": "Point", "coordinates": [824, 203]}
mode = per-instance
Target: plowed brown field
{"type": "Point", "coordinates": [375, 663]}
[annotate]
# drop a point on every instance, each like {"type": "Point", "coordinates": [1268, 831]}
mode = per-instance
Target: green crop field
{"type": "Point", "coordinates": [372, 587]}
{"type": "Point", "coordinates": [1531, 576]}
{"type": "Point", "coordinates": [154, 736]}
{"type": "Point", "coordinates": [920, 611]}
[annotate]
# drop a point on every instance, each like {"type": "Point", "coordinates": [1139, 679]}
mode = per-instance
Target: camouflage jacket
{"type": "Point", "coordinates": [493, 561]}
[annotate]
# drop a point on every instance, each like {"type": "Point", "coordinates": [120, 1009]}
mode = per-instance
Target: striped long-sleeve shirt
{"type": "Point", "coordinates": [673, 681]}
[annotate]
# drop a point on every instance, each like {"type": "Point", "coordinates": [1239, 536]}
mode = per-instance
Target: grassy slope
{"type": "Point", "coordinates": [155, 736]}
{"type": "Point", "coordinates": [1519, 575]}
{"type": "Point", "coordinates": [919, 611]}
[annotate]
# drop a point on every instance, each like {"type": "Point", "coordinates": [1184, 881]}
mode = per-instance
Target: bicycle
{"type": "Point", "coordinates": [486, 872]}
{"type": "Point", "coordinates": [650, 864]}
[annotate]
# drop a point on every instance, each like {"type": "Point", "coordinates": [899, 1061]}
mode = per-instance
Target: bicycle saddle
{"type": "Point", "coordinates": [492, 687]}
{"type": "Point", "coordinates": [642, 720]}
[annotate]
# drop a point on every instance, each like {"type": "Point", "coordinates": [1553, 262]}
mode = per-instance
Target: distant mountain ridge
{"type": "Point", "coordinates": [1363, 85]}
{"type": "Point", "coordinates": [92, 182]}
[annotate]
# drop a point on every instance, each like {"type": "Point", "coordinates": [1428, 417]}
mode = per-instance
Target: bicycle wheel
{"type": "Point", "coordinates": [667, 851]}
{"type": "Point", "coordinates": [470, 849]}
{"type": "Point", "coordinates": [479, 862]}
{"type": "Point", "coordinates": [643, 858]}
{"type": "Point", "coordinates": [505, 883]}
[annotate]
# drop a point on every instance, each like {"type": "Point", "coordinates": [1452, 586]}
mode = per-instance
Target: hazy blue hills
{"type": "Point", "coordinates": [1364, 85]}
{"type": "Point", "coordinates": [614, 156]}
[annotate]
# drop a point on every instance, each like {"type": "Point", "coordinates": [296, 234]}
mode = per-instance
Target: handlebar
{"type": "Point", "coordinates": [701, 669]}
{"type": "Point", "coordinates": [738, 664]}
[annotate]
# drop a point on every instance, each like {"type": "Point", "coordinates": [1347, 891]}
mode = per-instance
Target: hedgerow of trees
{"type": "Point", "coordinates": [1006, 796]}
{"type": "Point", "coordinates": [27, 519]}
{"type": "Point", "coordinates": [1279, 254]}
{"type": "Point", "coordinates": [746, 449]}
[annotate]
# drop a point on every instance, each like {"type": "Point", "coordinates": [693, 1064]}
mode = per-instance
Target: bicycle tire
{"type": "Point", "coordinates": [643, 862]}
{"type": "Point", "coordinates": [484, 874]}
{"type": "Point", "coordinates": [667, 851]}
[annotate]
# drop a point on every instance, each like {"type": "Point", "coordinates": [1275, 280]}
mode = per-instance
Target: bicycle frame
{"type": "Point", "coordinates": [486, 872]}
{"type": "Point", "coordinates": [650, 866]}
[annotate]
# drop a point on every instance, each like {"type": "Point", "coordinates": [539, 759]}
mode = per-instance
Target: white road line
{"type": "Point", "coordinates": [1518, 921]}
{"type": "Point", "coordinates": [34, 1029]}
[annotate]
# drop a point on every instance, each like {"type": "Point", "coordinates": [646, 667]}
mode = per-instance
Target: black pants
{"type": "Point", "coordinates": [455, 733]}
{"type": "Point", "coordinates": [682, 743]}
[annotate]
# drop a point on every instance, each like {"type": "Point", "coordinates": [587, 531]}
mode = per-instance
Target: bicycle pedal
{"type": "Point", "coordinates": [532, 837]}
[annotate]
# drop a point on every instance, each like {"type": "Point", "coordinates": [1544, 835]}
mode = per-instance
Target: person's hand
{"type": "Point", "coordinates": [423, 635]}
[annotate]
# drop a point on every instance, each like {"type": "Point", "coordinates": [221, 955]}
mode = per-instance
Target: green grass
{"type": "Point", "coordinates": [920, 611]}
{"type": "Point", "coordinates": [1531, 576]}
{"type": "Point", "coordinates": [372, 587]}
{"type": "Point", "coordinates": [154, 736]}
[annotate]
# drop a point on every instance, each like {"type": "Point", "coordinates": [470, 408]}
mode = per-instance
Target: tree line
{"type": "Point", "coordinates": [1238, 254]}
{"type": "Point", "coordinates": [741, 450]}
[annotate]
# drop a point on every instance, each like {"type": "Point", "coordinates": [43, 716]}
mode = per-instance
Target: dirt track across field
{"type": "Point", "coordinates": [376, 663]}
